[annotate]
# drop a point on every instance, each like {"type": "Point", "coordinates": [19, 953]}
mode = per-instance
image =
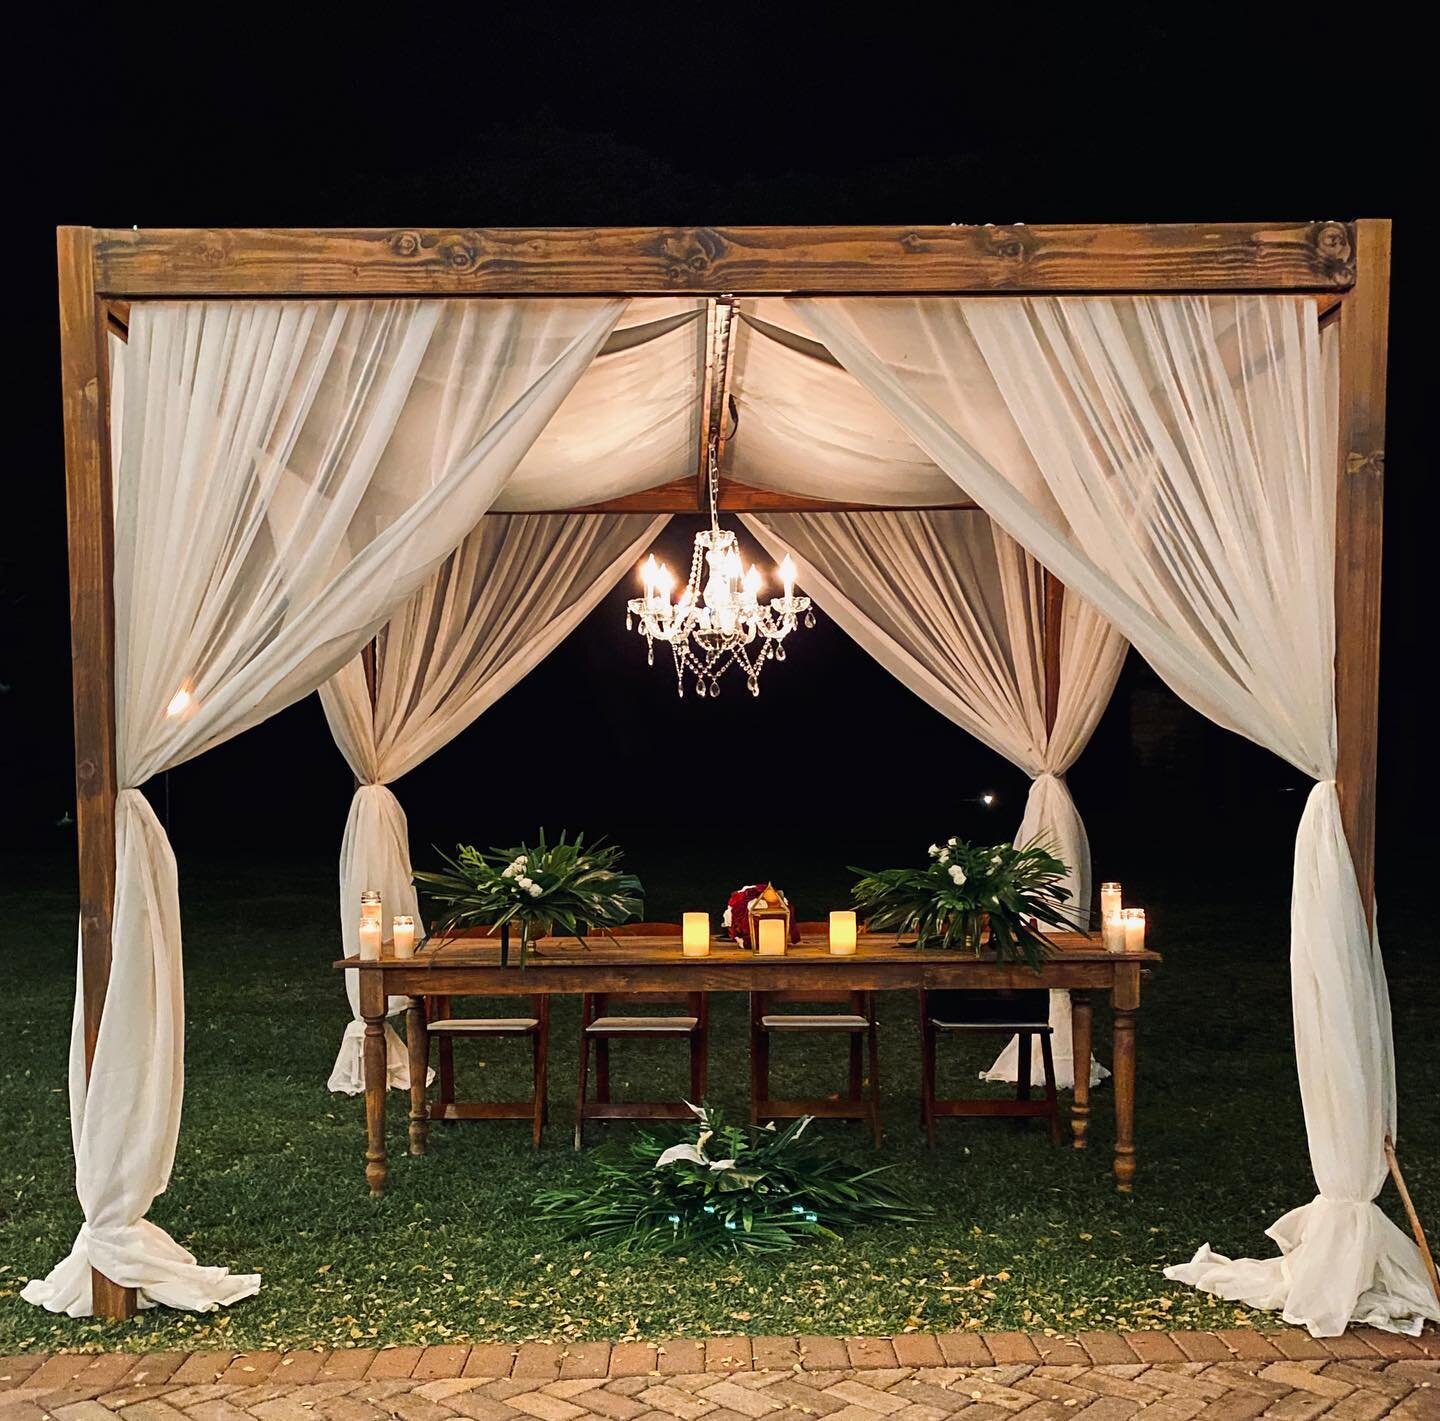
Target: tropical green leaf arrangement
{"type": "Point", "coordinates": [730, 1189]}
{"type": "Point", "coordinates": [964, 889]}
{"type": "Point", "coordinates": [566, 888]}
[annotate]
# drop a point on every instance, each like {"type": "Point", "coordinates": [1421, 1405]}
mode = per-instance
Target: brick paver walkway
{"type": "Point", "coordinates": [1225, 1376]}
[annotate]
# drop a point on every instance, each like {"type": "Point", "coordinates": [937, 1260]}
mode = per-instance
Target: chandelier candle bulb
{"type": "Point", "coordinates": [842, 933]}
{"type": "Point", "coordinates": [369, 939]}
{"type": "Point", "coordinates": [1110, 900]}
{"type": "Point", "coordinates": [371, 908]}
{"type": "Point", "coordinates": [1134, 920]}
{"type": "Point", "coordinates": [770, 940]}
{"type": "Point", "coordinates": [402, 932]}
{"type": "Point", "coordinates": [695, 934]}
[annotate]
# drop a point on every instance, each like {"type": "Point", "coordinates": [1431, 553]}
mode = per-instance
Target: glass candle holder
{"type": "Point", "coordinates": [1112, 932]}
{"type": "Point", "coordinates": [1110, 900]}
{"type": "Point", "coordinates": [369, 939]}
{"type": "Point", "coordinates": [402, 934]}
{"type": "Point", "coordinates": [695, 934]}
{"type": "Point", "coordinates": [1134, 920]}
{"type": "Point", "coordinates": [842, 932]}
{"type": "Point", "coordinates": [371, 908]}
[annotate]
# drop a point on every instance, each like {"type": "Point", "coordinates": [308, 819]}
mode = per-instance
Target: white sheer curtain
{"type": "Point", "coordinates": [285, 474]}
{"type": "Point", "coordinates": [953, 608]}
{"type": "Point", "coordinates": [1178, 473]}
{"type": "Point", "coordinates": [495, 608]}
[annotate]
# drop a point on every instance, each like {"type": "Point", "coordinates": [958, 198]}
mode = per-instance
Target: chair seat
{"type": "Point", "coordinates": [1035, 1028]}
{"type": "Point", "coordinates": [838, 1021]}
{"type": "Point", "coordinates": [644, 1025]}
{"type": "Point", "coordinates": [482, 1025]}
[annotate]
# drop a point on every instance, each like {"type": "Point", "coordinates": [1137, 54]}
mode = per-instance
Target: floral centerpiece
{"type": "Point", "coordinates": [736, 918]}
{"type": "Point", "coordinates": [730, 1189]}
{"type": "Point", "coordinates": [565, 887]}
{"type": "Point", "coordinates": [968, 894]}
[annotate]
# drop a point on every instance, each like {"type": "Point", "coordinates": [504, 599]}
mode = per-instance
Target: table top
{"type": "Point", "coordinates": [636, 950]}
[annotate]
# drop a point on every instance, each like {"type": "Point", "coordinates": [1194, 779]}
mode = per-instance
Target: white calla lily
{"type": "Point", "coordinates": [686, 1152]}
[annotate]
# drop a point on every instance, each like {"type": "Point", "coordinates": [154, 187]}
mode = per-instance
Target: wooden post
{"type": "Point", "coordinates": [1053, 608]}
{"type": "Point", "coordinates": [84, 376]}
{"type": "Point", "coordinates": [1364, 331]}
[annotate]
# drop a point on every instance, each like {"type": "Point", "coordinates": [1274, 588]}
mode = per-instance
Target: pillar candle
{"type": "Point", "coordinates": [1110, 900]}
{"type": "Point", "coordinates": [371, 909]}
{"type": "Point", "coordinates": [1112, 933]}
{"type": "Point", "coordinates": [1134, 929]}
{"type": "Point", "coordinates": [369, 939]}
{"type": "Point", "coordinates": [842, 933]}
{"type": "Point", "coordinates": [695, 934]}
{"type": "Point", "coordinates": [403, 934]}
{"type": "Point", "coordinates": [771, 941]}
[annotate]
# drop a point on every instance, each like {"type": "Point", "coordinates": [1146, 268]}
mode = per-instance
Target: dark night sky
{"type": "Point", "coordinates": [664, 114]}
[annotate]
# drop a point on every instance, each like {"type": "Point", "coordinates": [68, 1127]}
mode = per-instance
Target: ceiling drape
{"type": "Point", "coordinates": [493, 610]}
{"type": "Point", "coordinates": [1178, 472]}
{"type": "Point", "coordinates": [285, 473]}
{"type": "Point", "coordinates": [953, 608]}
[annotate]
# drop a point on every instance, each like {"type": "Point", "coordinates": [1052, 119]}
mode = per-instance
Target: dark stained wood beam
{"type": "Point", "coordinates": [1225, 256]}
{"type": "Point", "coordinates": [707, 398]}
{"type": "Point", "coordinates": [1052, 611]}
{"type": "Point", "coordinates": [681, 496]}
{"type": "Point", "coordinates": [85, 393]}
{"type": "Point", "coordinates": [1364, 337]}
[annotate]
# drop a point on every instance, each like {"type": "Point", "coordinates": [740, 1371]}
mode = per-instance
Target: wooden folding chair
{"type": "Point", "coordinates": [602, 1020]}
{"type": "Point", "coordinates": [445, 1028]}
{"type": "Point", "coordinates": [859, 1022]}
{"type": "Point", "coordinates": [1024, 1013]}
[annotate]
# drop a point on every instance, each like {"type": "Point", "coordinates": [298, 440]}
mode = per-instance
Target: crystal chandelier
{"type": "Point", "coordinates": [716, 626]}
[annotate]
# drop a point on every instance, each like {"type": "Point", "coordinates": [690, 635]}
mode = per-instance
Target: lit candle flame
{"type": "Point", "coordinates": [752, 582]}
{"type": "Point", "coordinates": [179, 703]}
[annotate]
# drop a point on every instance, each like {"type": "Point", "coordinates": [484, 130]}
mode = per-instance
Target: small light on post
{"type": "Point", "coordinates": [1134, 920]}
{"type": "Point", "coordinates": [369, 939]}
{"type": "Point", "coordinates": [842, 933]}
{"type": "Point", "coordinates": [695, 934]}
{"type": "Point", "coordinates": [987, 799]}
{"type": "Point", "coordinates": [402, 932]}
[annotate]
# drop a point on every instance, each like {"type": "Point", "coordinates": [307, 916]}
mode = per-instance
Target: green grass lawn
{"type": "Point", "coordinates": [269, 1174]}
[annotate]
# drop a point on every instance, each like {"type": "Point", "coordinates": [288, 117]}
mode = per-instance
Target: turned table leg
{"type": "Point", "coordinates": [1081, 1021]}
{"type": "Point", "coordinates": [372, 1009]}
{"type": "Point", "coordinates": [417, 1038]}
{"type": "Point", "coordinates": [1125, 1000]}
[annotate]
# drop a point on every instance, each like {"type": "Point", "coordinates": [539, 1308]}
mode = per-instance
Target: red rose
{"type": "Point", "coordinates": [739, 905]}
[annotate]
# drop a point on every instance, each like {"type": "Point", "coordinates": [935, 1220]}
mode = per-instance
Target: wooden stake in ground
{"type": "Point", "coordinates": [1414, 1218]}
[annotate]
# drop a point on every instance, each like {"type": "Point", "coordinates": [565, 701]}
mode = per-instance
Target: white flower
{"type": "Point", "coordinates": [953, 841]}
{"type": "Point", "coordinates": [535, 890]}
{"type": "Point", "coordinates": [716, 1165]}
{"type": "Point", "coordinates": [509, 872]}
{"type": "Point", "coordinates": [685, 1152]}
{"type": "Point", "coordinates": [699, 1111]}
{"type": "Point", "coordinates": [524, 883]}
{"type": "Point", "coordinates": [934, 851]}
{"type": "Point", "coordinates": [522, 861]}
{"type": "Point", "coordinates": [944, 855]}
{"type": "Point", "coordinates": [957, 875]}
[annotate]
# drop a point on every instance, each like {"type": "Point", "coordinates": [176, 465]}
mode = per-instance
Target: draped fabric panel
{"type": "Point", "coordinates": [285, 474]}
{"type": "Point", "coordinates": [497, 606]}
{"type": "Point", "coordinates": [952, 607]}
{"type": "Point", "coordinates": [1178, 473]}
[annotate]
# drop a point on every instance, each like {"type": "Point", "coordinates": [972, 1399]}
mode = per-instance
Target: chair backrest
{"type": "Point", "coordinates": [607, 1001]}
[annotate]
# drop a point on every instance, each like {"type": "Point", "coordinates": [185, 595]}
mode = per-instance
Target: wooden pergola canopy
{"type": "Point", "coordinates": [1345, 265]}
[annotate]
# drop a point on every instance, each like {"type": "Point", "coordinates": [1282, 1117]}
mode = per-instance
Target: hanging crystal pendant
{"type": "Point", "coordinates": [718, 622]}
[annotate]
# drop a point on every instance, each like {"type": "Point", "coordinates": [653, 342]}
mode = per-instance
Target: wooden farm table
{"type": "Point", "coordinates": [470, 966]}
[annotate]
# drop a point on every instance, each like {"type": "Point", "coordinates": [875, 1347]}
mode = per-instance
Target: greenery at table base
{"type": "Point", "coordinates": [564, 888]}
{"type": "Point", "coordinates": [732, 1189]}
{"type": "Point", "coordinates": [970, 893]}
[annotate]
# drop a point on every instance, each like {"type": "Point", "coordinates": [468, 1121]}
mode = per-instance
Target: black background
{"type": "Point", "coordinates": [547, 115]}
